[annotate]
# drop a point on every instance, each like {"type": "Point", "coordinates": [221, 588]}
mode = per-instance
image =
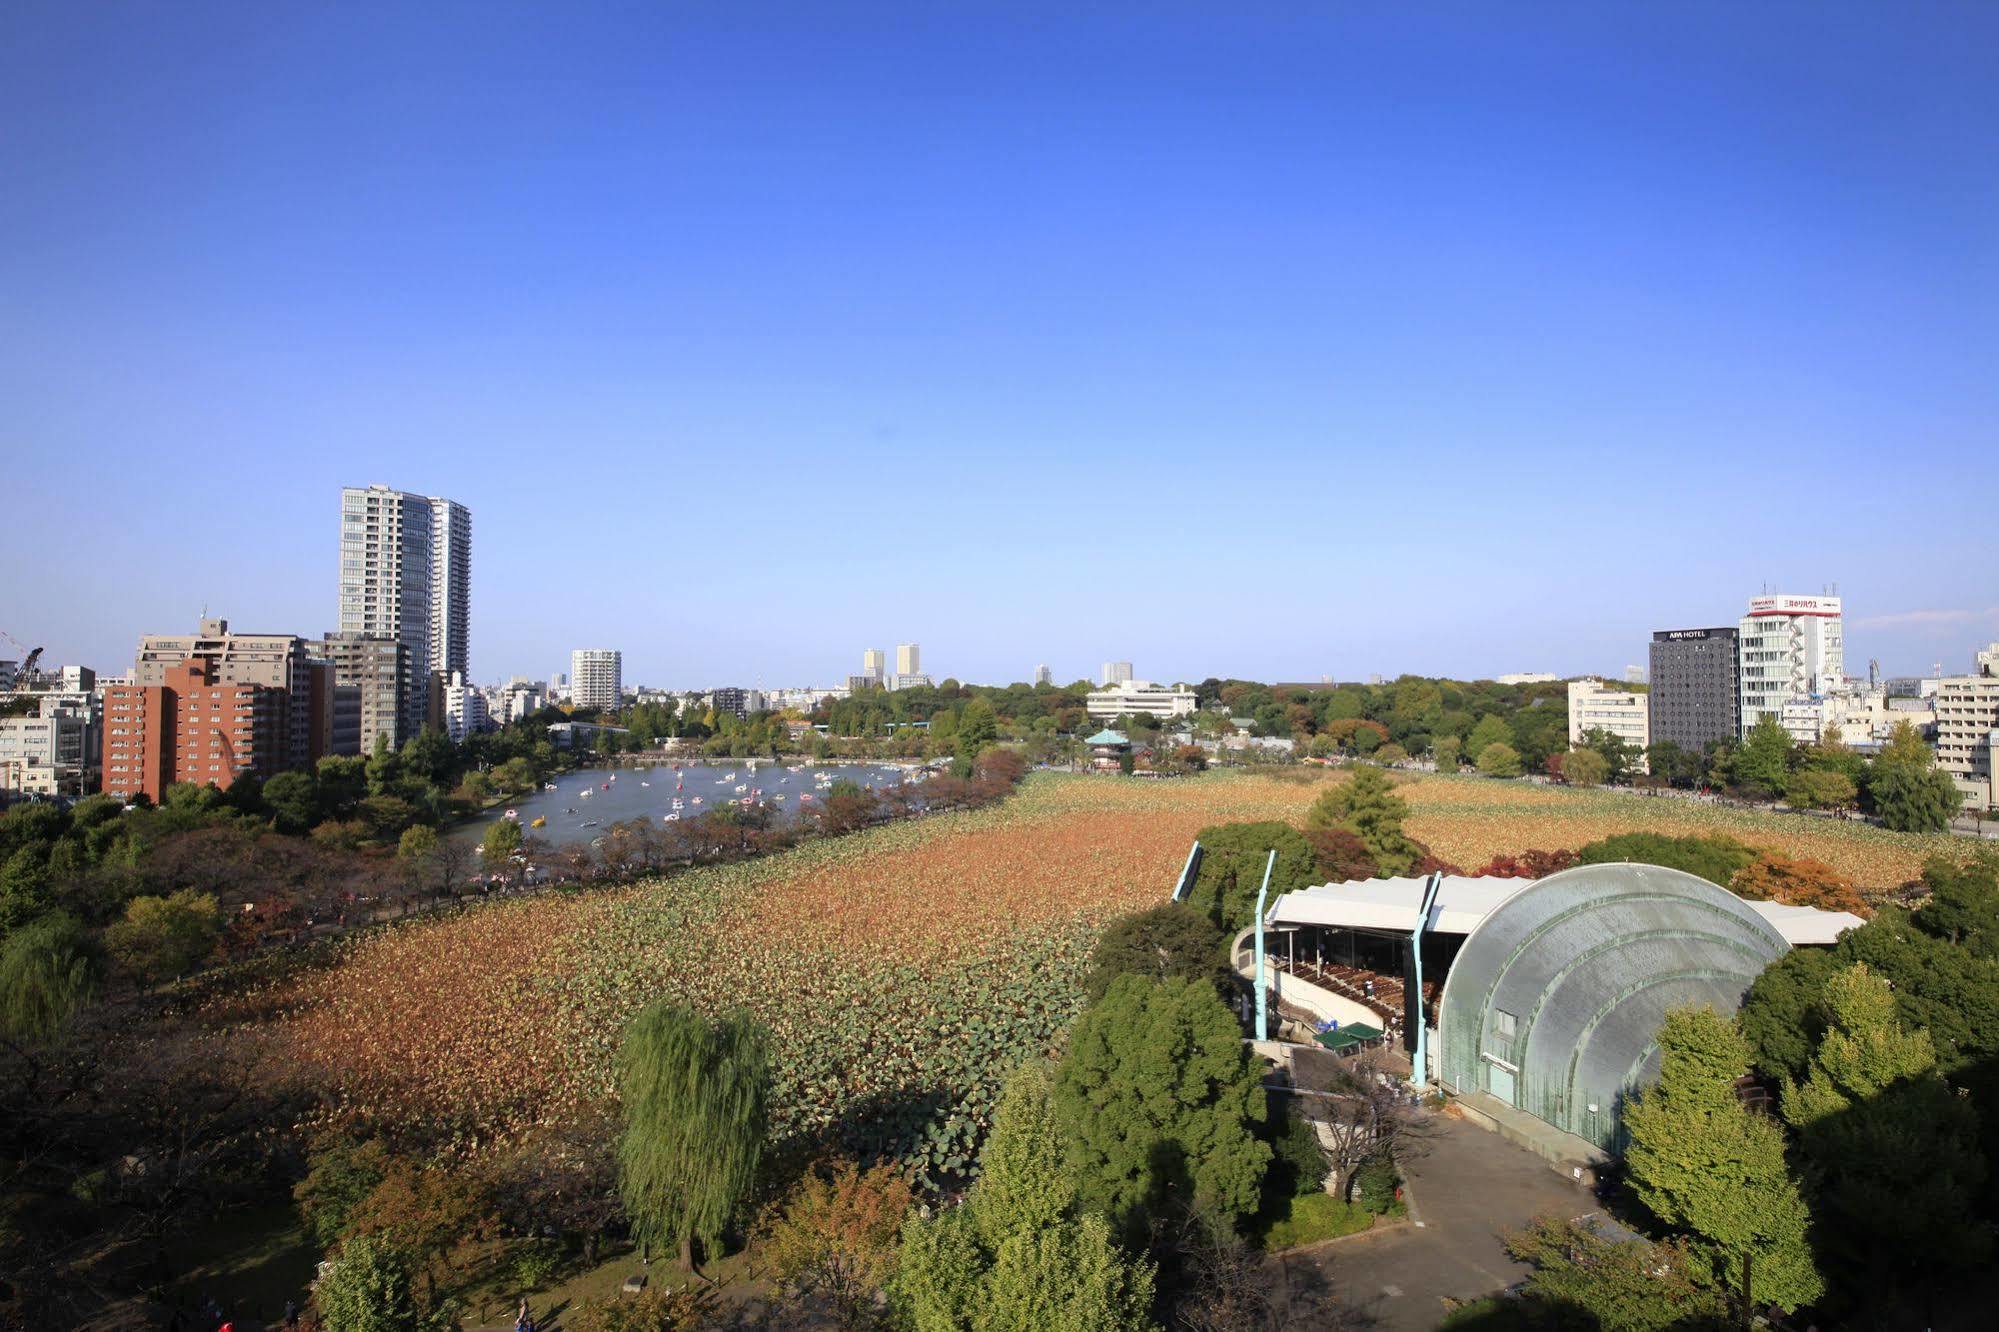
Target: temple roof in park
{"type": "Point", "coordinates": [1107, 737]}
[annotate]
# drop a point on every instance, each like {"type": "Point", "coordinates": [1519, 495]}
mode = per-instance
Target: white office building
{"type": "Point", "coordinates": [464, 708]}
{"type": "Point", "coordinates": [1596, 706]}
{"type": "Point", "coordinates": [1527, 677]}
{"type": "Point", "coordinates": [406, 574]}
{"type": "Point", "coordinates": [1139, 698]}
{"type": "Point", "coordinates": [50, 753]}
{"type": "Point", "coordinates": [596, 678]}
{"type": "Point", "coordinates": [1967, 712]}
{"type": "Point", "coordinates": [1042, 675]}
{"type": "Point", "coordinates": [1790, 649]}
{"type": "Point", "coordinates": [1116, 673]}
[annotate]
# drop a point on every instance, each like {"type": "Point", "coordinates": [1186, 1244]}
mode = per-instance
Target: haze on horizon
{"type": "Point", "coordinates": [1275, 344]}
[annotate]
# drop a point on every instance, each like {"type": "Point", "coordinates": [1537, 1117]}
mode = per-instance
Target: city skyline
{"type": "Point", "coordinates": [1513, 338]}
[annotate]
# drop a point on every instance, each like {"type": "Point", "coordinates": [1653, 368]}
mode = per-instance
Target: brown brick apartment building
{"type": "Point", "coordinates": [194, 727]}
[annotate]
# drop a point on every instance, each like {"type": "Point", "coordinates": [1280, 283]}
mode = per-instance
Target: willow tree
{"type": "Point", "coordinates": [695, 1094]}
{"type": "Point", "coordinates": [48, 969]}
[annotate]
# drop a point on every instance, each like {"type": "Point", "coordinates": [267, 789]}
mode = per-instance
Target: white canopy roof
{"type": "Point", "coordinates": [1390, 905]}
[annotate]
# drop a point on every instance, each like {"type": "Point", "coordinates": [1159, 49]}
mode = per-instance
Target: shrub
{"type": "Point", "coordinates": [1714, 858]}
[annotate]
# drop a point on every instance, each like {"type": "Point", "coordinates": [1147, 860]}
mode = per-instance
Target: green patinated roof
{"type": "Point", "coordinates": [1107, 737]}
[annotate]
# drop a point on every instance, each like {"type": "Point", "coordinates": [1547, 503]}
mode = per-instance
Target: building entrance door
{"type": "Point", "coordinates": [1499, 1081]}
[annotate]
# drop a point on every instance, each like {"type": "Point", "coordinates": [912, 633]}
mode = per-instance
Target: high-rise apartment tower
{"type": "Point", "coordinates": [406, 574]}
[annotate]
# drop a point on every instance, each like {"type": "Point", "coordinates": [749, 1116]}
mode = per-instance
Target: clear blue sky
{"type": "Point", "coordinates": [1312, 339]}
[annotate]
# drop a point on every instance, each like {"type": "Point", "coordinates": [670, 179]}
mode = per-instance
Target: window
{"type": "Point", "coordinates": [1503, 1024]}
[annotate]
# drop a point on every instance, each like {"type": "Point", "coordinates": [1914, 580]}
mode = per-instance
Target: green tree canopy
{"type": "Point", "coordinates": [695, 1097]}
{"type": "Point", "coordinates": [1018, 1257]}
{"type": "Point", "coordinates": [1492, 729]}
{"type": "Point", "coordinates": [1913, 799]}
{"type": "Point", "coordinates": [49, 969]}
{"type": "Point", "coordinates": [1704, 1163]}
{"type": "Point", "coordinates": [1499, 760]}
{"type": "Point", "coordinates": [1172, 939]}
{"type": "Point", "coordinates": [1763, 763]}
{"type": "Point", "coordinates": [1585, 767]}
{"type": "Point", "coordinates": [1366, 805]}
{"type": "Point", "coordinates": [1714, 857]}
{"type": "Point", "coordinates": [163, 937]}
{"type": "Point", "coordinates": [1893, 1150]}
{"type": "Point", "coordinates": [1233, 856]}
{"type": "Point", "coordinates": [501, 842]}
{"type": "Point", "coordinates": [1157, 1097]}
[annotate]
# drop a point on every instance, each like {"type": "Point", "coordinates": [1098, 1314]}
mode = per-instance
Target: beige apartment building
{"type": "Point", "coordinates": [1967, 710]}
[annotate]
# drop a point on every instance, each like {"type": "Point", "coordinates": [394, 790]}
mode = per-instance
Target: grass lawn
{"type": "Point", "coordinates": [1289, 1222]}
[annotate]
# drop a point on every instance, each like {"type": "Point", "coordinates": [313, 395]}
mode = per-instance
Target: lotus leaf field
{"type": "Point", "coordinates": [904, 971]}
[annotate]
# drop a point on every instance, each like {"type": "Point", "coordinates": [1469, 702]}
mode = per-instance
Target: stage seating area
{"type": "Point", "coordinates": [1383, 997]}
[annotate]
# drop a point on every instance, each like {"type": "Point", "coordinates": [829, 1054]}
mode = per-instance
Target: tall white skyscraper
{"type": "Point", "coordinates": [1117, 672]}
{"type": "Point", "coordinates": [1791, 648]}
{"type": "Point", "coordinates": [596, 677]}
{"type": "Point", "coordinates": [874, 664]}
{"type": "Point", "coordinates": [406, 574]}
{"type": "Point", "coordinates": [1042, 675]}
{"type": "Point", "coordinates": [908, 659]}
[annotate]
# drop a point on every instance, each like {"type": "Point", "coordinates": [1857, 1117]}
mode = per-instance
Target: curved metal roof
{"type": "Point", "coordinates": [1555, 999]}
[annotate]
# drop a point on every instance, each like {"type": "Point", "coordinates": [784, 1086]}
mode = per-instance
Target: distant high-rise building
{"type": "Point", "coordinates": [1116, 673]}
{"type": "Point", "coordinates": [597, 678]}
{"type": "Point", "coordinates": [406, 572]}
{"type": "Point", "coordinates": [1042, 675]}
{"type": "Point", "coordinates": [1967, 708]}
{"type": "Point", "coordinates": [874, 664]}
{"type": "Point", "coordinates": [1789, 648]}
{"type": "Point", "coordinates": [908, 659]}
{"type": "Point", "coordinates": [1634, 675]}
{"type": "Point", "coordinates": [1696, 687]}
{"type": "Point", "coordinates": [465, 711]}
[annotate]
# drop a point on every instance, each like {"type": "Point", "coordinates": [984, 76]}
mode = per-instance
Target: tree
{"type": "Point", "coordinates": [1156, 1098]}
{"type": "Point", "coordinates": [164, 937]}
{"type": "Point", "coordinates": [1340, 856]}
{"type": "Point", "coordinates": [500, 845]}
{"type": "Point", "coordinates": [1909, 792]}
{"type": "Point", "coordinates": [1617, 1285]}
{"type": "Point", "coordinates": [682, 1310]}
{"type": "Point", "coordinates": [695, 1098]}
{"type": "Point", "coordinates": [1774, 877]}
{"type": "Point", "coordinates": [1617, 753]}
{"type": "Point", "coordinates": [835, 1237]}
{"type": "Point", "coordinates": [49, 969]}
{"type": "Point", "coordinates": [416, 854]}
{"type": "Point", "coordinates": [1172, 939]}
{"type": "Point", "coordinates": [429, 1214]}
{"type": "Point", "coordinates": [1018, 1257]}
{"type": "Point", "coordinates": [1366, 806]}
{"type": "Point", "coordinates": [1714, 857]}
{"type": "Point", "coordinates": [1585, 767]}
{"type": "Point", "coordinates": [339, 1177]}
{"type": "Point", "coordinates": [1674, 765]}
{"type": "Point", "coordinates": [1233, 856]}
{"type": "Point", "coordinates": [1446, 751]}
{"type": "Point", "coordinates": [1763, 763]}
{"type": "Point", "coordinates": [1498, 760]}
{"type": "Point", "coordinates": [1819, 788]}
{"type": "Point", "coordinates": [978, 727]}
{"type": "Point", "coordinates": [1390, 755]}
{"type": "Point", "coordinates": [1491, 730]}
{"type": "Point", "coordinates": [1707, 1165]}
{"type": "Point", "coordinates": [1964, 902]}
{"type": "Point", "coordinates": [369, 1289]}
{"type": "Point", "coordinates": [1894, 1150]}
{"type": "Point", "coordinates": [1361, 1121]}
{"type": "Point", "coordinates": [293, 799]}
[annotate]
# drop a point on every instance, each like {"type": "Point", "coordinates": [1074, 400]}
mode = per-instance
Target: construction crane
{"type": "Point", "coordinates": [27, 666]}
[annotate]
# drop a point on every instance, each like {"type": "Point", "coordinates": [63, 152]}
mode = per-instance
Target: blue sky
{"type": "Point", "coordinates": [1281, 342]}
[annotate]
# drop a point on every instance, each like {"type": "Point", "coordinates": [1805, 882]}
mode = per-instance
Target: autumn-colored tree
{"type": "Point", "coordinates": [682, 1310]}
{"type": "Point", "coordinates": [1367, 806]}
{"type": "Point", "coordinates": [1775, 877]}
{"type": "Point", "coordinates": [1527, 865]}
{"type": "Point", "coordinates": [431, 1213]}
{"type": "Point", "coordinates": [834, 1239]}
{"type": "Point", "coordinates": [1340, 856]}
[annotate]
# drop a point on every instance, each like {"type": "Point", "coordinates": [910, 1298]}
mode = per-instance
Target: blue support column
{"type": "Point", "coordinates": [1262, 975]}
{"type": "Point", "coordinates": [1419, 1069]}
{"type": "Point", "coordinates": [1187, 873]}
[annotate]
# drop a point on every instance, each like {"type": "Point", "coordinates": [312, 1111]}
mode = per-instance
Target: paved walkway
{"type": "Point", "coordinates": [1467, 1189]}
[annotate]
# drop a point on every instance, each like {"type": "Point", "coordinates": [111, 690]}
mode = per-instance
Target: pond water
{"type": "Point", "coordinates": [617, 794]}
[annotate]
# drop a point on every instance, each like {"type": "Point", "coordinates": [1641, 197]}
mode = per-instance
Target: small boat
{"type": "Point", "coordinates": [697, 800]}
{"type": "Point", "coordinates": [804, 797]}
{"type": "Point", "coordinates": [549, 787]}
{"type": "Point", "coordinates": [570, 810]}
{"type": "Point", "coordinates": [590, 823]}
{"type": "Point", "coordinates": [539, 822]}
{"type": "Point", "coordinates": [670, 818]}
{"type": "Point", "coordinates": [742, 787]}
{"type": "Point", "coordinates": [680, 804]}
{"type": "Point", "coordinates": [513, 814]}
{"type": "Point", "coordinates": [605, 787]}
{"type": "Point", "coordinates": [586, 793]}
{"type": "Point", "coordinates": [645, 783]}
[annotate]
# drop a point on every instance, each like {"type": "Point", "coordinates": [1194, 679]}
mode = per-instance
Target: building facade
{"type": "Point", "coordinates": [1596, 706]}
{"type": "Point", "coordinates": [372, 693]}
{"type": "Point", "coordinates": [1696, 687]}
{"type": "Point", "coordinates": [908, 659]}
{"type": "Point", "coordinates": [597, 678]}
{"type": "Point", "coordinates": [1042, 675]}
{"type": "Point", "coordinates": [196, 726]}
{"type": "Point", "coordinates": [464, 708]}
{"type": "Point", "coordinates": [1967, 712]}
{"type": "Point", "coordinates": [1789, 647]}
{"type": "Point", "coordinates": [290, 666]}
{"type": "Point", "coordinates": [874, 664]}
{"type": "Point", "coordinates": [1139, 698]}
{"type": "Point", "coordinates": [51, 753]}
{"type": "Point", "coordinates": [406, 574]}
{"type": "Point", "coordinates": [1116, 673]}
